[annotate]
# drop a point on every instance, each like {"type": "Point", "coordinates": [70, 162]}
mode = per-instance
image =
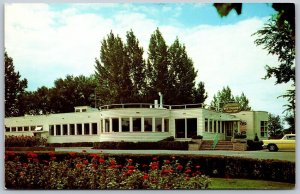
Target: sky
{"type": "Point", "coordinates": [50, 41]}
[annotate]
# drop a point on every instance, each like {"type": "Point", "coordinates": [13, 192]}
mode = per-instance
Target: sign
{"type": "Point", "coordinates": [232, 108]}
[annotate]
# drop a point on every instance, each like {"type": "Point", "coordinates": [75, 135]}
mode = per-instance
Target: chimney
{"type": "Point", "coordinates": [160, 100]}
{"type": "Point", "coordinates": [155, 103]}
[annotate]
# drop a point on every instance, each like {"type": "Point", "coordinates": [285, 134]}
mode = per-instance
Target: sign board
{"type": "Point", "coordinates": [232, 108]}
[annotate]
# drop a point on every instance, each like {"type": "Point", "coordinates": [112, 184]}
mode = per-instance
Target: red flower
{"type": "Point", "coordinates": [154, 165]}
{"type": "Point", "coordinates": [119, 166]}
{"type": "Point", "coordinates": [194, 174]}
{"type": "Point", "coordinates": [167, 161]}
{"type": "Point", "coordinates": [25, 165]}
{"type": "Point", "coordinates": [154, 159]}
{"type": "Point", "coordinates": [94, 156]}
{"type": "Point", "coordinates": [166, 171]}
{"type": "Point", "coordinates": [31, 155]}
{"type": "Point", "coordinates": [198, 166]}
{"type": "Point", "coordinates": [130, 167]}
{"type": "Point", "coordinates": [10, 153]}
{"type": "Point", "coordinates": [101, 160]}
{"type": "Point", "coordinates": [188, 171]}
{"type": "Point", "coordinates": [144, 165]}
{"type": "Point", "coordinates": [78, 165]}
{"type": "Point", "coordinates": [179, 167]}
{"type": "Point", "coordinates": [146, 176]}
{"type": "Point", "coordinates": [95, 165]}
{"type": "Point", "coordinates": [173, 158]}
{"type": "Point", "coordinates": [112, 166]}
{"type": "Point", "coordinates": [53, 158]}
{"type": "Point", "coordinates": [113, 162]}
{"type": "Point", "coordinates": [51, 154]}
{"type": "Point", "coordinates": [129, 160]}
{"type": "Point", "coordinates": [86, 162]}
{"type": "Point", "coordinates": [129, 172]}
{"type": "Point", "coordinates": [72, 154]}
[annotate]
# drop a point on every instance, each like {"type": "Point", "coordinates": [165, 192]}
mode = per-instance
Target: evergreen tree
{"type": "Point", "coordinates": [14, 89]}
{"type": "Point", "coordinates": [137, 68]}
{"type": "Point", "coordinates": [181, 77]}
{"type": "Point", "coordinates": [113, 72]}
{"type": "Point", "coordinates": [200, 95]}
{"type": "Point", "coordinates": [274, 125]}
{"type": "Point", "coordinates": [243, 102]}
{"type": "Point", "coordinates": [224, 96]}
{"type": "Point", "coordinates": [157, 68]}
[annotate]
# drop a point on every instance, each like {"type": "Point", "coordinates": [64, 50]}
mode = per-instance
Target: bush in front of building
{"type": "Point", "coordinates": [93, 171]}
{"type": "Point", "coordinates": [24, 141]}
{"type": "Point", "coordinates": [254, 145]}
{"type": "Point", "coordinates": [75, 144]}
{"type": "Point", "coordinates": [160, 145]}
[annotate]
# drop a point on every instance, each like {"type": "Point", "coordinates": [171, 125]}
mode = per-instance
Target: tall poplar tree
{"type": "Point", "coordinates": [113, 71]}
{"type": "Point", "coordinates": [137, 65]}
{"type": "Point", "coordinates": [157, 68]}
{"type": "Point", "coordinates": [182, 74]}
{"type": "Point", "coordinates": [14, 88]}
{"type": "Point", "coordinates": [200, 94]}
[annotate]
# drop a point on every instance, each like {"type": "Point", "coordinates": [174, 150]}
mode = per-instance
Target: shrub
{"type": "Point", "coordinates": [197, 137]}
{"type": "Point", "coordinates": [76, 144]}
{"type": "Point", "coordinates": [240, 136]}
{"type": "Point", "coordinates": [24, 141]}
{"type": "Point", "coordinates": [161, 145]}
{"type": "Point", "coordinates": [254, 145]}
{"type": "Point", "coordinates": [171, 138]}
{"type": "Point", "coordinates": [95, 171]}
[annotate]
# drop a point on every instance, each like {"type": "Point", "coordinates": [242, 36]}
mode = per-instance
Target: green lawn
{"type": "Point", "coordinates": [223, 183]}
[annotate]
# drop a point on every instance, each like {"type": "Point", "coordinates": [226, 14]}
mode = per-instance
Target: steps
{"type": "Point", "coordinates": [222, 145]}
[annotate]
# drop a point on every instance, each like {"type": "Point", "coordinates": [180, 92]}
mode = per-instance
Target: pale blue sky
{"type": "Point", "coordinates": [49, 41]}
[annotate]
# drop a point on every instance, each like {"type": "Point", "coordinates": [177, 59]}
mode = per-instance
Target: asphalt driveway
{"type": "Point", "coordinates": [261, 154]}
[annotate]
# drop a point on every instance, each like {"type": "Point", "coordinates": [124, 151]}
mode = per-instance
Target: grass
{"type": "Point", "coordinates": [223, 183]}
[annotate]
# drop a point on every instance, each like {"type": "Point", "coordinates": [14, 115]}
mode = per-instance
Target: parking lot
{"type": "Point", "coordinates": [261, 154]}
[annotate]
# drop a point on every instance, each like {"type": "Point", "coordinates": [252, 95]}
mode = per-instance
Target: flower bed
{"type": "Point", "coordinates": [93, 171]}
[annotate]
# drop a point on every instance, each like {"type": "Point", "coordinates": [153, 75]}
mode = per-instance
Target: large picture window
{"type": "Point", "coordinates": [137, 124]}
{"type": "Point", "coordinates": [115, 124]}
{"type": "Point", "coordinates": [51, 129]}
{"type": "Point", "coordinates": [72, 129]}
{"type": "Point", "coordinates": [65, 129]}
{"type": "Point", "coordinates": [166, 122]}
{"type": "Point", "coordinates": [94, 128]}
{"type": "Point", "coordinates": [86, 128]}
{"type": "Point", "coordinates": [125, 124]}
{"type": "Point", "coordinates": [206, 125]}
{"type": "Point", "coordinates": [79, 129]}
{"type": "Point", "coordinates": [158, 124]}
{"type": "Point", "coordinates": [148, 124]}
{"type": "Point", "coordinates": [58, 130]}
{"type": "Point", "coordinates": [180, 128]}
{"type": "Point", "coordinates": [191, 127]}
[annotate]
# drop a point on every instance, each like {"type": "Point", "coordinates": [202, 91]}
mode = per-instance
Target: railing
{"type": "Point", "coordinates": [215, 141]}
{"type": "Point", "coordinates": [149, 105]}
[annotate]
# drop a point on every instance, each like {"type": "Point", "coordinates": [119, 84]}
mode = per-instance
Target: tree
{"type": "Point", "coordinates": [225, 96]}
{"type": "Point", "coordinates": [157, 68]}
{"type": "Point", "coordinates": [274, 125]}
{"type": "Point", "coordinates": [200, 95]}
{"type": "Point", "coordinates": [113, 72]}
{"type": "Point", "coordinates": [137, 65]}
{"type": "Point", "coordinates": [243, 102]}
{"type": "Point", "coordinates": [14, 88]}
{"type": "Point", "coordinates": [181, 75]}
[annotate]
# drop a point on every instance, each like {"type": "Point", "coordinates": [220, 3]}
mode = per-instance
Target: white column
{"type": "Point", "coordinates": [61, 130]}
{"type": "Point", "coordinates": [130, 125]}
{"type": "Point", "coordinates": [110, 125]}
{"type": "Point", "coordinates": [143, 124]}
{"type": "Point", "coordinates": [153, 124]}
{"type": "Point", "coordinates": [120, 124]}
{"type": "Point", "coordinates": [217, 128]}
{"type": "Point", "coordinates": [75, 128]}
{"type": "Point", "coordinates": [54, 128]}
{"type": "Point", "coordinates": [90, 127]}
{"type": "Point", "coordinates": [163, 125]}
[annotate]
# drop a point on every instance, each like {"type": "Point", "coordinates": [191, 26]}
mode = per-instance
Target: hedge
{"type": "Point", "coordinates": [161, 145]}
{"type": "Point", "coordinates": [24, 141]}
{"type": "Point", "coordinates": [254, 145]}
{"type": "Point", "coordinates": [213, 166]}
{"type": "Point", "coordinates": [76, 144]}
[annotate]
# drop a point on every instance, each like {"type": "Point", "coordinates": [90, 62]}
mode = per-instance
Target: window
{"type": "Point", "coordinates": [148, 124]}
{"type": "Point", "coordinates": [137, 124]}
{"type": "Point", "coordinates": [210, 125]}
{"type": "Point", "coordinates": [166, 122]}
{"type": "Point", "coordinates": [215, 126]}
{"type": "Point", "coordinates": [180, 128]}
{"type": "Point", "coordinates": [79, 129]}
{"type": "Point", "coordinates": [57, 129]}
{"type": "Point", "coordinates": [26, 128]}
{"type": "Point", "coordinates": [65, 129]}
{"type": "Point", "coordinates": [125, 124]}
{"type": "Point", "coordinates": [219, 126]}
{"type": "Point", "coordinates": [115, 124]}
{"type": "Point", "coordinates": [32, 128]}
{"type": "Point", "coordinates": [86, 128]}
{"type": "Point", "coordinates": [51, 129]}
{"type": "Point", "coordinates": [206, 125]}
{"type": "Point", "coordinates": [72, 129]}
{"type": "Point", "coordinates": [20, 129]}
{"type": "Point", "coordinates": [7, 129]}
{"type": "Point", "coordinates": [13, 129]}
{"type": "Point", "coordinates": [94, 128]}
{"type": "Point", "coordinates": [158, 123]}
{"type": "Point", "coordinates": [191, 127]}
{"type": "Point", "coordinates": [84, 110]}
{"type": "Point", "coordinates": [106, 125]}
{"type": "Point", "coordinates": [263, 128]}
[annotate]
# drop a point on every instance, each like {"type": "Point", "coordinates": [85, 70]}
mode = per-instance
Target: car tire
{"type": "Point", "coordinates": [272, 148]}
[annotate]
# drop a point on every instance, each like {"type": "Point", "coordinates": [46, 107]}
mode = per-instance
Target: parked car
{"type": "Point", "coordinates": [287, 142]}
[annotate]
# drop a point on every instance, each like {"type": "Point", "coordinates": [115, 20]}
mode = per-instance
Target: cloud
{"type": "Point", "coordinates": [47, 44]}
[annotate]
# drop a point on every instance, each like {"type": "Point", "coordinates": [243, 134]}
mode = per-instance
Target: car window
{"type": "Point", "coordinates": [291, 137]}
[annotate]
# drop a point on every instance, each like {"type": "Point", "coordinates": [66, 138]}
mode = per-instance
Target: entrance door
{"type": "Point", "coordinates": [228, 130]}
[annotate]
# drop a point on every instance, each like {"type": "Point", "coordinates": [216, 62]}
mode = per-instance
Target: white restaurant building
{"type": "Point", "coordinates": [139, 122]}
